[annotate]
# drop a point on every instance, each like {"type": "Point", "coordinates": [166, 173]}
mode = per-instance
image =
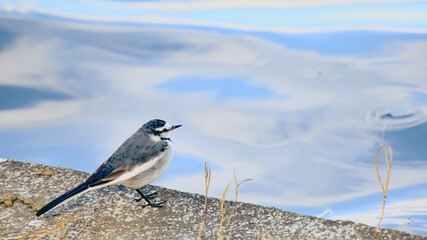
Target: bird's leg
{"type": "Point", "coordinates": [148, 198]}
{"type": "Point", "coordinates": [143, 196]}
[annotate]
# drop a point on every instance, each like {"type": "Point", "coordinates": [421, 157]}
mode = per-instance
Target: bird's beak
{"type": "Point", "coordinates": [175, 126]}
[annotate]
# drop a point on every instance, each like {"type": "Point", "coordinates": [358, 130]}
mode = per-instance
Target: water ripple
{"type": "Point", "coordinates": [394, 118]}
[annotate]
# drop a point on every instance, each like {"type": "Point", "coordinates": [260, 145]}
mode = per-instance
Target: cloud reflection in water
{"type": "Point", "coordinates": [292, 118]}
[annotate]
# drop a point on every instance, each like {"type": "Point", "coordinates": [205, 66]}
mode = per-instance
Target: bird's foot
{"type": "Point", "coordinates": [154, 204]}
{"type": "Point", "coordinates": [151, 195]}
{"type": "Point", "coordinates": [147, 196]}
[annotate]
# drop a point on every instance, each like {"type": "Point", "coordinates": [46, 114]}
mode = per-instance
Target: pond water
{"type": "Point", "coordinates": [303, 114]}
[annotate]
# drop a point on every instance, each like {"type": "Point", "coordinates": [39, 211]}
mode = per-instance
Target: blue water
{"type": "Point", "coordinates": [20, 97]}
{"type": "Point", "coordinates": [302, 114]}
{"type": "Point", "coordinates": [224, 89]}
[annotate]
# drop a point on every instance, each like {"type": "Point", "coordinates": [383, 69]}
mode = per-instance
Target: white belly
{"type": "Point", "coordinates": [147, 172]}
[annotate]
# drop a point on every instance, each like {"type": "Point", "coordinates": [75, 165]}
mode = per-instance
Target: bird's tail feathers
{"type": "Point", "coordinates": [66, 196]}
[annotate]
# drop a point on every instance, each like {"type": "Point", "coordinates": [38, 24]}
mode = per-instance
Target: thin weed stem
{"type": "Point", "coordinates": [224, 222]}
{"type": "Point", "coordinates": [221, 230]}
{"type": "Point", "coordinates": [235, 202]}
{"type": "Point", "coordinates": [385, 189]}
{"type": "Point", "coordinates": [60, 230]}
{"type": "Point", "coordinates": [207, 184]}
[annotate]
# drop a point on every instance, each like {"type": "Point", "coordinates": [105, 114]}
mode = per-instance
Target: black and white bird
{"type": "Point", "coordinates": [140, 160]}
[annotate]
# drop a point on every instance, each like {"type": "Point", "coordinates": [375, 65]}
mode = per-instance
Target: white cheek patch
{"type": "Point", "coordinates": [164, 134]}
{"type": "Point", "coordinates": [155, 138]}
{"type": "Point", "coordinates": [167, 126]}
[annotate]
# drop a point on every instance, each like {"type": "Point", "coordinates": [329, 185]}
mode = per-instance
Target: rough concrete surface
{"type": "Point", "coordinates": [111, 213]}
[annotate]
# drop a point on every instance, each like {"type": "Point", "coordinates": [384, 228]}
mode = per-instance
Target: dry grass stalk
{"type": "Point", "coordinates": [95, 212]}
{"type": "Point", "coordinates": [207, 183]}
{"type": "Point", "coordinates": [224, 223]}
{"type": "Point", "coordinates": [1, 225]}
{"type": "Point", "coordinates": [235, 202]}
{"type": "Point", "coordinates": [221, 230]}
{"type": "Point", "coordinates": [59, 229]}
{"type": "Point", "coordinates": [385, 189]}
{"type": "Point", "coordinates": [223, 208]}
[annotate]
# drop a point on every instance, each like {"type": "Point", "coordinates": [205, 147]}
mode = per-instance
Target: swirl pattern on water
{"type": "Point", "coordinates": [395, 118]}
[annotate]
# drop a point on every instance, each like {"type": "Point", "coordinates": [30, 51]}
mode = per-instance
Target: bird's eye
{"type": "Point", "coordinates": [161, 130]}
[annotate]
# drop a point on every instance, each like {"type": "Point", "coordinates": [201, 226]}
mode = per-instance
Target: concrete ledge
{"type": "Point", "coordinates": [111, 213]}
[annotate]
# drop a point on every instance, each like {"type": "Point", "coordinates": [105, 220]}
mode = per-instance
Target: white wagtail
{"type": "Point", "coordinates": [140, 160]}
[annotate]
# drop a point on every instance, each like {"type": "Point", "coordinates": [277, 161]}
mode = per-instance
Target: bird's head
{"type": "Point", "coordinates": [158, 129]}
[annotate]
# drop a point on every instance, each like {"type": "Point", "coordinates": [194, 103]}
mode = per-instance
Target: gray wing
{"type": "Point", "coordinates": [133, 152]}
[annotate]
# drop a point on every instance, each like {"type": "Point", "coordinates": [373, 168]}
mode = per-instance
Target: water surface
{"type": "Point", "coordinates": [301, 113]}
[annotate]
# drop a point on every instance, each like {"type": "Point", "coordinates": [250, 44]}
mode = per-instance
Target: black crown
{"type": "Point", "coordinates": [155, 123]}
